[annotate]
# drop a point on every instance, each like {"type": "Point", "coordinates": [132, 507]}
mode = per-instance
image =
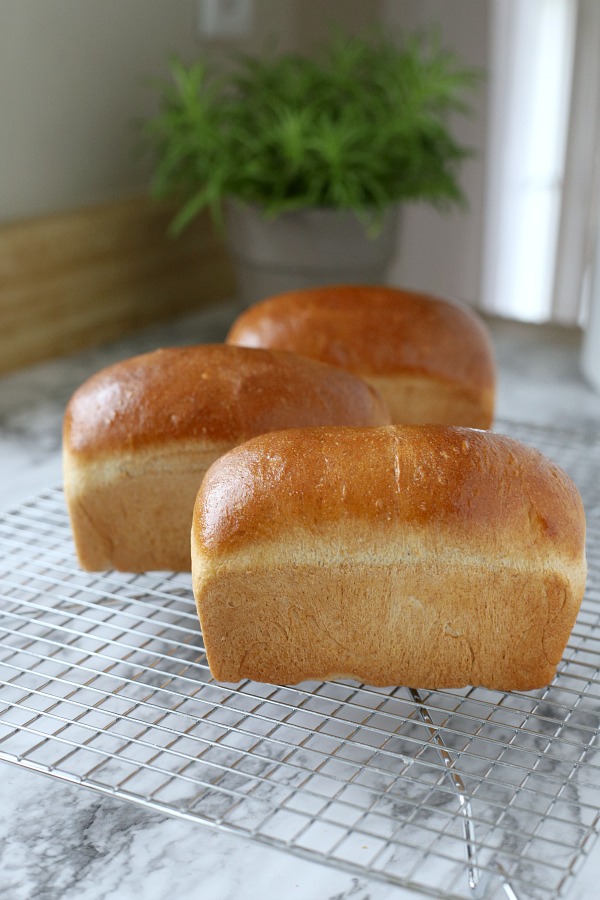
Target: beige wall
{"type": "Point", "coordinates": [74, 76]}
{"type": "Point", "coordinates": [73, 80]}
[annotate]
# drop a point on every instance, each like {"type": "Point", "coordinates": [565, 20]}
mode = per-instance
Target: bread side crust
{"type": "Point", "coordinates": [133, 511]}
{"type": "Point", "coordinates": [432, 623]}
{"type": "Point", "coordinates": [419, 400]}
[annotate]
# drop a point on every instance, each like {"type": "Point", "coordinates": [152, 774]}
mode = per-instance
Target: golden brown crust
{"type": "Point", "coordinates": [211, 392]}
{"type": "Point", "coordinates": [383, 333]}
{"type": "Point", "coordinates": [426, 556]}
{"type": "Point", "coordinates": [471, 486]}
{"type": "Point", "coordinates": [139, 436]}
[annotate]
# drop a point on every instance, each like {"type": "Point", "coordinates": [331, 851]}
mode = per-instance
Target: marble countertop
{"type": "Point", "coordinates": [59, 841]}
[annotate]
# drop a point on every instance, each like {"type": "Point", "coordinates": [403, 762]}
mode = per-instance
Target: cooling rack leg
{"type": "Point", "coordinates": [463, 798]}
{"type": "Point", "coordinates": [508, 890]}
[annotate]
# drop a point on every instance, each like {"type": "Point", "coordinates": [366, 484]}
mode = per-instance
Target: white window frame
{"type": "Point", "coordinates": [532, 54]}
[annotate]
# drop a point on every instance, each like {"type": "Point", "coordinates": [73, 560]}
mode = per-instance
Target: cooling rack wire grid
{"type": "Point", "coordinates": [472, 793]}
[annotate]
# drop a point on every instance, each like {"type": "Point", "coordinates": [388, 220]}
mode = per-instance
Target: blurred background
{"type": "Point", "coordinates": [84, 256]}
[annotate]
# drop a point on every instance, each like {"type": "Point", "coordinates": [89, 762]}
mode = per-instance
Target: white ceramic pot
{"type": "Point", "coordinates": [304, 249]}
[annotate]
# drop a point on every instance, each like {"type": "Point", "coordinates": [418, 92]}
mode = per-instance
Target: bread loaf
{"type": "Point", "coordinates": [139, 436]}
{"type": "Point", "coordinates": [422, 556]}
{"type": "Point", "coordinates": [431, 360]}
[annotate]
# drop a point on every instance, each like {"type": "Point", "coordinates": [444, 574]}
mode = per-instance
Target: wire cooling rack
{"type": "Point", "coordinates": [104, 682]}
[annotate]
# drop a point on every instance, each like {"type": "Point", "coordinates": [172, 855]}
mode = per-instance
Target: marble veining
{"type": "Point", "coordinates": [59, 842]}
{"type": "Point", "coordinates": [62, 842]}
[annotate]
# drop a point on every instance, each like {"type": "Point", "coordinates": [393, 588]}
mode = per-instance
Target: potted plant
{"type": "Point", "coordinates": [307, 160]}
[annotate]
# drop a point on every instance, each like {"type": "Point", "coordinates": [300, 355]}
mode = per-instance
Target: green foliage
{"type": "Point", "coordinates": [362, 126]}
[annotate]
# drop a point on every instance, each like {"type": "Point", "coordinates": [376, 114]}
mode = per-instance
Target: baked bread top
{"type": "Point", "coordinates": [480, 493]}
{"type": "Point", "coordinates": [211, 392]}
{"type": "Point", "coordinates": [373, 330]}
